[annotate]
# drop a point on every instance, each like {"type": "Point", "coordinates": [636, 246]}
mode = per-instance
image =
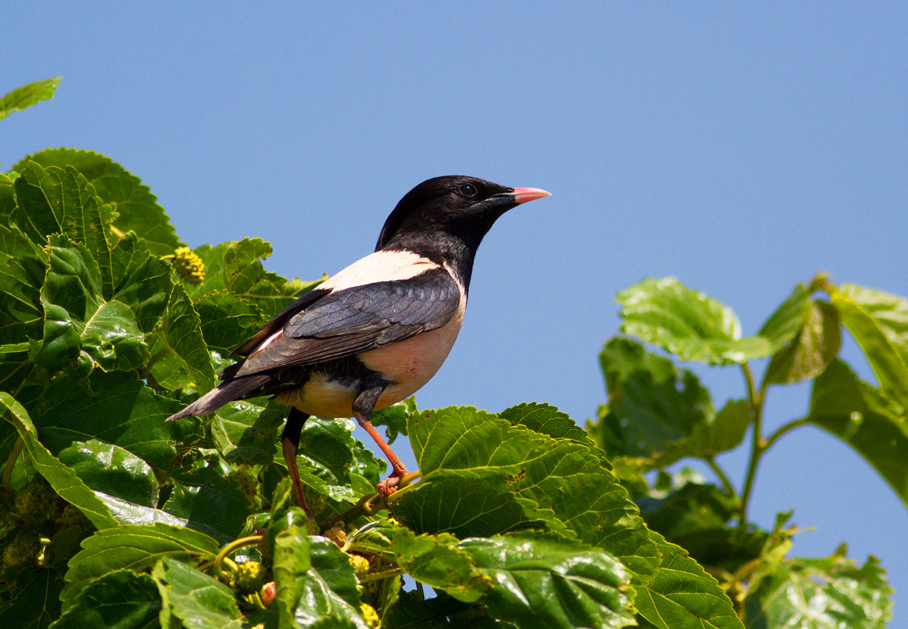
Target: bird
{"type": "Point", "coordinates": [374, 333]}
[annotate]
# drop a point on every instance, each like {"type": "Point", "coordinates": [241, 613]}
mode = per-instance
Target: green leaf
{"type": "Point", "coordinates": [829, 592]}
{"type": "Point", "coordinates": [696, 517]}
{"type": "Point", "coordinates": [864, 418]}
{"type": "Point", "coordinates": [395, 417]}
{"type": "Point", "coordinates": [227, 321]}
{"type": "Point", "coordinates": [723, 432]}
{"type": "Point", "coordinates": [682, 594]}
{"type": "Point", "coordinates": [63, 479]}
{"type": "Point", "coordinates": [32, 598]}
{"type": "Point", "coordinates": [687, 323]}
{"type": "Point", "coordinates": [788, 319]}
{"type": "Point", "coordinates": [436, 560]}
{"type": "Point", "coordinates": [135, 548]}
{"type": "Point", "coordinates": [812, 348]}
{"type": "Point", "coordinates": [27, 95]}
{"type": "Point", "coordinates": [22, 269]}
{"type": "Point", "coordinates": [217, 508]}
{"type": "Point", "coordinates": [879, 323]}
{"type": "Point", "coordinates": [62, 201]}
{"type": "Point", "coordinates": [111, 333]}
{"type": "Point", "coordinates": [559, 480]}
{"type": "Point", "coordinates": [136, 207]}
{"type": "Point", "coordinates": [7, 199]}
{"type": "Point", "coordinates": [246, 433]}
{"type": "Point", "coordinates": [650, 407]}
{"type": "Point", "coordinates": [546, 419]}
{"type": "Point", "coordinates": [119, 599]}
{"type": "Point", "coordinates": [182, 358]}
{"type": "Point", "coordinates": [236, 267]}
{"type": "Point", "coordinates": [200, 601]}
{"type": "Point", "coordinates": [549, 582]}
{"type": "Point", "coordinates": [112, 470]}
{"type": "Point", "coordinates": [316, 585]}
{"type": "Point", "coordinates": [115, 408]}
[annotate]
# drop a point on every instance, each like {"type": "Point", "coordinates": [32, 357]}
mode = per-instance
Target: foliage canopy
{"type": "Point", "coordinates": [109, 324]}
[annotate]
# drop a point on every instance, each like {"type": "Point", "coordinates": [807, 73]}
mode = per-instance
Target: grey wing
{"type": "Point", "coordinates": [349, 321]}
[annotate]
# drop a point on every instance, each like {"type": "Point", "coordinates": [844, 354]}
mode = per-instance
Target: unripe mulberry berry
{"type": "Point", "coordinates": [23, 550]}
{"type": "Point", "coordinates": [188, 265]}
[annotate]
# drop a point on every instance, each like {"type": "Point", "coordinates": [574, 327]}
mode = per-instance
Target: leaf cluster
{"type": "Point", "coordinates": [109, 324]}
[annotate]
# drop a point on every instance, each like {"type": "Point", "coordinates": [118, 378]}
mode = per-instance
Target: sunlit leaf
{"type": "Point", "coordinates": [136, 207]}
{"type": "Point", "coordinates": [682, 595]}
{"type": "Point", "coordinates": [27, 95]}
{"type": "Point", "coordinates": [546, 582]}
{"type": "Point", "coordinates": [200, 601]}
{"type": "Point", "coordinates": [687, 323]}
{"type": "Point", "coordinates": [823, 593]}
{"type": "Point", "coordinates": [879, 323]}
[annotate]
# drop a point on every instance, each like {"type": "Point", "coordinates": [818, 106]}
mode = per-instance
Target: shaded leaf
{"type": "Point", "coordinates": [783, 324]}
{"type": "Point", "coordinates": [27, 95]}
{"type": "Point", "coordinates": [217, 508]}
{"type": "Point", "coordinates": [687, 323]}
{"type": "Point", "coordinates": [22, 269]}
{"type": "Point", "coordinates": [649, 406]}
{"type": "Point", "coordinates": [112, 470]}
{"type": "Point", "coordinates": [723, 432]}
{"type": "Point", "coordinates": [864, 418]}
{"type": "Point", "coordinates": [34, 597]}
{"type": "Point", "coordinates": [64, 480]}
{"type": "Point", "coordinates": [227, 321]}
{"type": "Point", "coordinates": [441, 611]}
{"type": "Point", "coordinates": [813, 347]}
{"type": "Point", "coordinates": [246, 433]}
{"type": "Point", "coordinates": [696, 517]}
{"type": "Point", "coordinates": [395, 417]}
{"type": "Point", "coordinates": [115, 408]}
{"type": "Point", "coordinates": [120, 599]}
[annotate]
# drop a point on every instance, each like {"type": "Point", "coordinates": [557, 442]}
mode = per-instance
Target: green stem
{"type": "Point", "coordinates": [722, 476]}
{"type": "Point", "coordinates": [378, 576]}
{"type": "Point", "coordinates": [757, 446]}
{"type": "Point", "coordinates": [796, 423]}
{"type": "Point", "coordinates": [6, 490]}
{"type": "Point", "coordinates": [222, 557]}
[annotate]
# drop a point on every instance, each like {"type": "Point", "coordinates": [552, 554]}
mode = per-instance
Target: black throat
{"type": "Point", "coordinates": [451, 250]}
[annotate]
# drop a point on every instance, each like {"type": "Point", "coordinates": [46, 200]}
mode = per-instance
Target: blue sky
{"type": "Point", "coordinates": [739, 147]}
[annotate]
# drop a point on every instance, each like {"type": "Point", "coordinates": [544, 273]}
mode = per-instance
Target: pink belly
{"type": "Point", "coordinates": [407, 364]}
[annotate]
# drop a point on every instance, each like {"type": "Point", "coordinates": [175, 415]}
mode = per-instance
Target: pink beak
{"type": "Point", "coordinates": [523, 195]}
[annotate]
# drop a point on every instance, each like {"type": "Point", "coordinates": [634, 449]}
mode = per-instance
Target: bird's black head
{"type": "Point", "coordinates": [454, 208]}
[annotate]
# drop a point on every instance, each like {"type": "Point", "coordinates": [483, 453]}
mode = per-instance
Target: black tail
{"type": "Point", "coordinates": [220, 395]}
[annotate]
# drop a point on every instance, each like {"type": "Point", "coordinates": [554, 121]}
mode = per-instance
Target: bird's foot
{"type": "Point", "coordinates": [388, 486]}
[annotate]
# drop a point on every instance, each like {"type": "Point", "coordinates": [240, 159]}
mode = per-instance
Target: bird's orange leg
{"type": "Point", "coordinates": [290, 445]}
{"type": "Point", "coordinates": [398, 470]}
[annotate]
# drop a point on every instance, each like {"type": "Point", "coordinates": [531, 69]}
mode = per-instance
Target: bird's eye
{"type": "Point", "coordinates": [468, 190]}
